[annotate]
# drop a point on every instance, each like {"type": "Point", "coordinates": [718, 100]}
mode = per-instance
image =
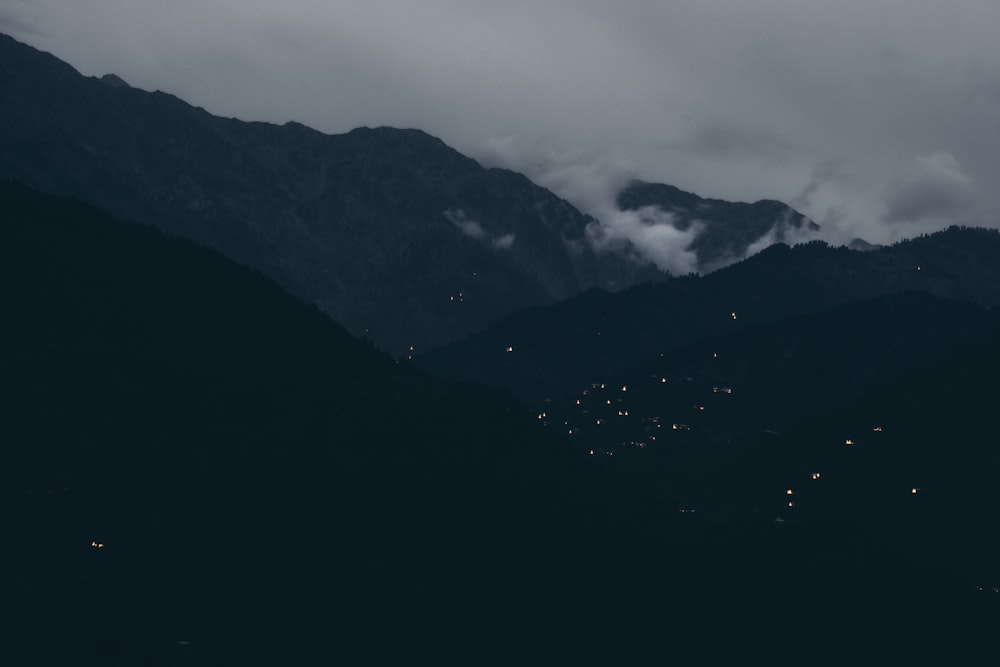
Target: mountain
{"type": "Point", "coordinates": [729, 230]}
{"type": "Point", "coordinates": [199, 469]}
{"type": "Point", "coordinates": [391, 232]}
{"type": "Point", "coordinates": [876, 415]}
{"type": "Point", "coordinates": [596, 336]}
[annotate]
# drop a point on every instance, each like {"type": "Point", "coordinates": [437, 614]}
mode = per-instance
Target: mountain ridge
{"type": "Point", "coordinates": [356, 223]}
{"type": "Point", "coordinates": [596, 334]}
{"type": "Point", "coordinates": [390, 231]}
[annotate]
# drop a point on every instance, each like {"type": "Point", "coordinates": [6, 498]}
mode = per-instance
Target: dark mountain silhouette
{"type": "Point", "coordinates": [265, 486]}
{"type": "Point", "coordinates": [199, 469]}
{"type": "Point", "coordinates": [729, 229]}
{"type": "Point", "coordinates": [597, 335]}
{"type": "Point", "coordinates": [391, 232]}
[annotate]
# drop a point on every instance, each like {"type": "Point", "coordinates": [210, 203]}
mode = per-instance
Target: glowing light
{"type": "Point", "coordinates": [663, 380]}
{"type": "Point", "coordinates": [591, 452]}
{"type": "Point", "coordinates": [624, 388]}
{"type": "Point", "coordinates": [97, 545]}
{"type": "Point", "coordinates": [914, 490]}
{"type": "Point", "coordinates": [789, 492]}
{"type": "Point", "coordinates": [733, 315]}
{"type": "Point", "coordinates": [510, 348]}
{"type": "Point", "coordinates": [848, 442]}
{"type": "Point", "coordinates": [877, 429]}
{"type": "Point", "coordinates": [791, 503]}
{"type": "Point", "coordinates": [815, 475]}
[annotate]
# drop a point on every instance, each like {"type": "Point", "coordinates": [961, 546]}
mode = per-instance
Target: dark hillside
{"type": "Point", "coordinates": [563, 348]}
{"type": "Point", "coordinates": [253, 472]}
{"type": "Point", "coordinates": [199, 470]}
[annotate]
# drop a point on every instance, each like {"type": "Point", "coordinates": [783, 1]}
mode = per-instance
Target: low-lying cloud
{"type": "Point", "coordinates": [592, 183]}
{"type": "Point", "coordinates": [652, 232]}
{"type": "Point", "coordinates": [475, 230]}
{"type": "Point", "coordinates": [470, 228]}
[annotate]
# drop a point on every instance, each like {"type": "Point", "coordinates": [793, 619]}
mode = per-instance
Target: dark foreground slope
{"type": "Point", "coordinates": [265, 486]}
{"type": "Point", "coordinates": [198, 469]}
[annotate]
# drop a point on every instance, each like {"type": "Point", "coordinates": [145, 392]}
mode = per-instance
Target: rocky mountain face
{"type": "Point", "coordinates": [728, 230]}
{"type": "Point", "coordinates": [391, 232]}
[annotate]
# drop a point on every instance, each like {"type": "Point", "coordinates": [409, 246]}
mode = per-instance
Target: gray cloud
{"type": "Point", "coordinates": [935, 188]}
{"type": "Point", "coordinates": [591, 182]}
{"type": "Point", "coordinates": [468, 227]}
{"type": "Point", "coordinates": [474, 230]}
{"type": "Point", "coordinates": [826, 105]}
{"type": "Point", "coordinates": [504, 242]}
{"type": "Point", "coordinates": [17, 20]}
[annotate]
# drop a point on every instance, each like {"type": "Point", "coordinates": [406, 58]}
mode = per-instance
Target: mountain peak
{"type": "Point", "coordinates": [114, 81]}
{"type": "Point", "coordinates": [729, 231]}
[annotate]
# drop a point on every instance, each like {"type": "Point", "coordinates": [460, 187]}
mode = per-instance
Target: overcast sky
{"type": "Point", "coordinates": [877, 118]}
